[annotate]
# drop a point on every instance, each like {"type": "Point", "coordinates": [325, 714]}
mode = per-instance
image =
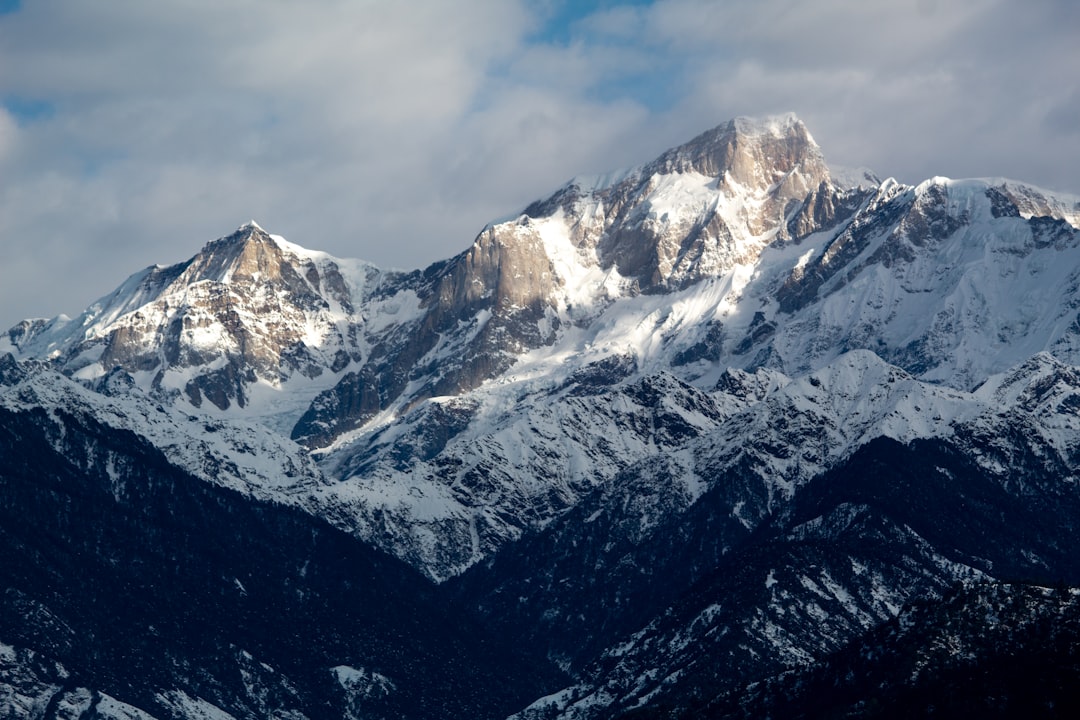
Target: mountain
{"type": "Point", "coordinates": [784, 554]}
{"type": "Point", "coordinates": [135, 586]}
{"type": "Point", "coordinates": [251, 323]}
{"type": "Point", "coordinates": [985, 650]}
{"type": "Point", "coordinates": [670, 432]}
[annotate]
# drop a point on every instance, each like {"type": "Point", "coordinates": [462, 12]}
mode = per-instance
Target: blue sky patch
{"type": "Point", "coordinates": [27, 110]}
{"type": "Point", "coordinates": [559, 28]}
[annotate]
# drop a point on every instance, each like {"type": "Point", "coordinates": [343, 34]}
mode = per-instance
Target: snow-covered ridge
{"type": "Point", "coordinates": [1033, 201]}
{"type": "Point", "coordinates": [738, 251]}
{"type": "Point", "coordinates": [243, 456]}
{"type": "Point", "coordinates": [252, 323]}
{"type": "Point", "coordinates": [510, 458]}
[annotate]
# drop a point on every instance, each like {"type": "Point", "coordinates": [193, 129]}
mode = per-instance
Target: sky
{"type": "Point", "coordinates": [134, 132]}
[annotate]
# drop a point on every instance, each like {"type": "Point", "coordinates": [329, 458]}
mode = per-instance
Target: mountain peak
{"type": "Point", "coordinates": [247, 252]}
{"type": "Point", "coordinates": [707, 205]}
{"type": "Point", "coordinates": [774, 125]}
{"type": "Point", "coordinates": [753, 152]}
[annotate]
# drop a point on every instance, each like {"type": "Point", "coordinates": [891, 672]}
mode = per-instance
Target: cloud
{"type": "Point", "coordinates": [912, 88]}
{"type": "Point", "coordinates": [395, 131]}
{"type": "Point", "coordinates": [175, 123]}
{"type": "Point", "coordinates": [9, 131]}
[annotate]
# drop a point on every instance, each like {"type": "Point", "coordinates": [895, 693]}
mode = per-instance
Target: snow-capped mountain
{"type": "Point", "coordinates": [252, 323]}
{"type": "Point", "coordinates": [735, 250]}
{"type": "Point", "coordinates": [688, 424]}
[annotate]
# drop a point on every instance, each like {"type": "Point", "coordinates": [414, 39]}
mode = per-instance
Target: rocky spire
{"type": "Point", "coordinates": [755, 153]}
{"type": "Point", "coordinates": [716, 201]}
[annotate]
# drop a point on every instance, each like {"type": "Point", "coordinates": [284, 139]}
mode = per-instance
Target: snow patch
{"type": "Point", "coordinates": [183, 705]}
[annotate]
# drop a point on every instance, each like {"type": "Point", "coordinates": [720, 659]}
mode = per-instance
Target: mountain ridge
{"type": "Point", "coordinates": [679, 428]}
{"type": "Point", "coordinates": [665, 267]}
{"type": "Point", "coordinates": [736, 249]}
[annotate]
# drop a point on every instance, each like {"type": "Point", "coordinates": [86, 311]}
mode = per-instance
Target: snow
{"type": "Point", "coordinates": [362, 682]}
{"type": "Point", "coordinates": [555, 702]}
{"type": "Point", "coordinates": [982, 301]}
{"type": "Point", "coordinates": [829, 414]}
{"type": "Point", "coordinates": [595, 183]}
{"type": "Point", "coordinates": [398, 310]}
{"type": "Point", "coordinates": [778, 125]}
{"type": "Point", "coordinates": [680, 196]}
{"type": "Point", "coordinates": [850, 178]}
{"type": "Point", "coordinates": [189, 708]}
{"type": "Point", "coordinates": [586, 283]}
{"type": "Point", "coordinates": [236, 454]}
{"type": "Point", "coordinates": [145, 304]}
{"type": "Point", "coordinates": [854, 400]}
{"type": "Point", "coordinates": [109, 708]}
{"type": "Point", "coordinates": [1035, 200]}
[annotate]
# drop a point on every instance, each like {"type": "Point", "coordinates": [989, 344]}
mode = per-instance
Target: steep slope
{"type": "Point", "coordinates": [251, 322]}
{"type": "Point", "coordinates": [130, 584]}
{"type": "Point", "coordinates": [818, 510]}
{"type": "Point", "coordinates": [947, 280]}
{"type": "Point", "coordinates": [697, 212]}
{"type": "Point", "coordinates": [702, 208]}
{"type": "Point", "coordinates": [986, 650]}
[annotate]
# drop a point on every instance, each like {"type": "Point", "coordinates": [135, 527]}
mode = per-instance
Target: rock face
{"type": "Point", "coordinates": [677, 429]}
{"type": "Point", "coordinates": [702, 208]}
{"type": "Point", "coordinates": [471, 318]}
{"type": "Point", "coordinates": [247, 309]}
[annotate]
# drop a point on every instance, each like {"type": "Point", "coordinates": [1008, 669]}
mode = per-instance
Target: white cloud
{"type": "Point", "coordinates": [9, 131]}
{"type": "Point", "coordinates": [393, 131]}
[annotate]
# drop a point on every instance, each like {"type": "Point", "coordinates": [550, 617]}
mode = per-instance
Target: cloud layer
{"type": "Point", "coordinates": [133, 132]}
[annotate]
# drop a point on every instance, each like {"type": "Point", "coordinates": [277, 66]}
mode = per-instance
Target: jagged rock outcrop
{"type": "Point", "coordinates": [473, 316]}
{"type": "Point", "coordinates": [248, 308]}
{"type": "Point", "coordinates": [703, 207]}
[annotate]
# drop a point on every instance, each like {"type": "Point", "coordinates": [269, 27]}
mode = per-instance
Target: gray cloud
{"type": "Point", "coordinates": [135, 132]}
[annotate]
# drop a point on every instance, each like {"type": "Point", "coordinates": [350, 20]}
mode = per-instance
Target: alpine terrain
{"type": "Point", "coordinates": [733, 433]}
